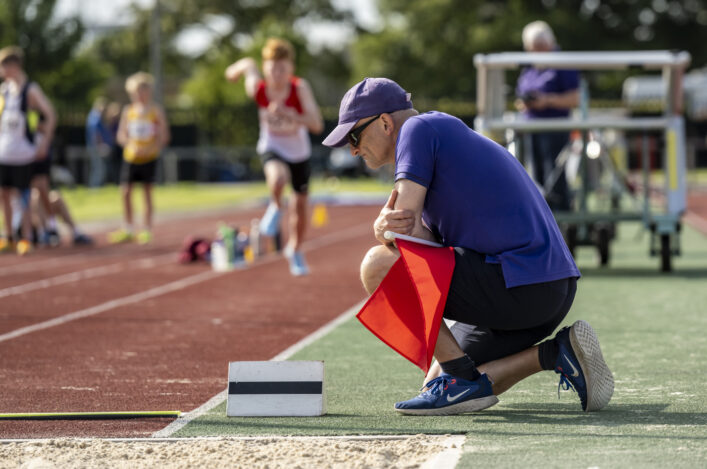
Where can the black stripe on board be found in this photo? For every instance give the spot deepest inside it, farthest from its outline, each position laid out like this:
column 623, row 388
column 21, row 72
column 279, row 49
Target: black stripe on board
column 275, row 387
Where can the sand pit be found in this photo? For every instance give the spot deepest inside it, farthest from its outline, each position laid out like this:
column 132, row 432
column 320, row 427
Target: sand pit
column 253, row 453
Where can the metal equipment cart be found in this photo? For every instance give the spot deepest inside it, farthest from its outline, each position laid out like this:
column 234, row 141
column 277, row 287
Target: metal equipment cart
column 592, row 226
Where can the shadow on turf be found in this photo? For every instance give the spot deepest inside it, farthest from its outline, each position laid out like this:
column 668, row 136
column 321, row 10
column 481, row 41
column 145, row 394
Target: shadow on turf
column 643, row 272
column 613, row 415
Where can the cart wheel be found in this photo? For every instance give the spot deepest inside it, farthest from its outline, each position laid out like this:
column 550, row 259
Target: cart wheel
column 604, row 236
column 665, row 259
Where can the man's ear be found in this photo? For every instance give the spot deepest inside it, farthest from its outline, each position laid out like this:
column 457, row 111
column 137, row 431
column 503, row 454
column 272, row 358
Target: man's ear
column 388, row 123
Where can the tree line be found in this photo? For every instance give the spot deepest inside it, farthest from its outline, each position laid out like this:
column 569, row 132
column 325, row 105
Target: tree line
column 426, row 45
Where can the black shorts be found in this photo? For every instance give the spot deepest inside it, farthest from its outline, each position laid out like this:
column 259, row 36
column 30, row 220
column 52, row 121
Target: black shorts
column 299, row 172
column 144, row 173
column 42, row 167
column 494, row 321
column 18, row 176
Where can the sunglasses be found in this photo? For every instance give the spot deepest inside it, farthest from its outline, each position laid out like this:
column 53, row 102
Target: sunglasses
column 355, row 135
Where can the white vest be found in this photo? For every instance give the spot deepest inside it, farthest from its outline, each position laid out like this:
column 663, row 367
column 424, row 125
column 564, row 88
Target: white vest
column 15, row 148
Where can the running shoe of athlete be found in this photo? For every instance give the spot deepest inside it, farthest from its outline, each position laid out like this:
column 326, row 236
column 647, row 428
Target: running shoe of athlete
column 581, row 366
column 6, row 245
column 81, row 239
column 144, row 237
column 120, row 236
column 449, row 395
column 23, row 247
column 298, row 266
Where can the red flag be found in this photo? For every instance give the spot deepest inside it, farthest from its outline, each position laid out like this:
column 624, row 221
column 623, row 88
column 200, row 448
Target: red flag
column 406, row 309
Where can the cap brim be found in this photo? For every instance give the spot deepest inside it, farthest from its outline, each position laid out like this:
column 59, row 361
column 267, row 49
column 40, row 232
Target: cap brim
column 337, row 137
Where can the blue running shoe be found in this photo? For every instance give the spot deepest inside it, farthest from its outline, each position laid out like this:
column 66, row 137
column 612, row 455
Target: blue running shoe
column 270, row 223
column 298, row 266
column 448, row 395
column 81, row 239
column 582, row 368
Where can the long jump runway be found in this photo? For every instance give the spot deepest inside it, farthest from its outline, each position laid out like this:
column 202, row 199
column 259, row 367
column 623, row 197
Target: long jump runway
column 126, row 328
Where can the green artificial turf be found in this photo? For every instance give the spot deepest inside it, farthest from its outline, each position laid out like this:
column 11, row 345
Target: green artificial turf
column 651, row 327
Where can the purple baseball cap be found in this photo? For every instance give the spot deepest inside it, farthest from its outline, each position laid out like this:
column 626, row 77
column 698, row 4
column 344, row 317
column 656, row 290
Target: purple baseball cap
column 370, row 97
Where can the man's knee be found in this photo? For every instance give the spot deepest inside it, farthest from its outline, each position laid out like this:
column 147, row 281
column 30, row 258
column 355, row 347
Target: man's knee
column 375, row 266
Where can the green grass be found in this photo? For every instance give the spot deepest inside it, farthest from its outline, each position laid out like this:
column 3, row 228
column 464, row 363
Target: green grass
column 651, row 327
column 104, row 203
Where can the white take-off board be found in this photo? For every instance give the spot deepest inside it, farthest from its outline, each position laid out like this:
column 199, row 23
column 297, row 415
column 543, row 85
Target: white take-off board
column 276, row 389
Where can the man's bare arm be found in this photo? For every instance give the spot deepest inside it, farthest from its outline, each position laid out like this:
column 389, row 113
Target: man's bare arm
column 402, row 213
column 38, row 101
column 411, row 197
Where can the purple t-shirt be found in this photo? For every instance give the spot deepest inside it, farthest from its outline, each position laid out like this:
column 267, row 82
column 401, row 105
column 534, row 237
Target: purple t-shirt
column 546, row 80
column 480, row 197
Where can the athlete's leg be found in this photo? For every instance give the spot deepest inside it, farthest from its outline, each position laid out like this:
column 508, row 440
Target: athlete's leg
column 26, row 201
column 126, row 191
column 7, row 210
column 298, row 221
column 60, row 209
column 40, row 182
column 299, row 176
column 147, row 189
column 276, row 176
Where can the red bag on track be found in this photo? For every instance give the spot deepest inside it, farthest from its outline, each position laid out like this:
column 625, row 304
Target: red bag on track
column 194, row 249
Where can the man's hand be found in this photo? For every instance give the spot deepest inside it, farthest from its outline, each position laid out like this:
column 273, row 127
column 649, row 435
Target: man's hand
column 390, row 219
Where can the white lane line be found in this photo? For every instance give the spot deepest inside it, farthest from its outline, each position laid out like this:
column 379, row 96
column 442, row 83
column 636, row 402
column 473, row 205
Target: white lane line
column 325, row 240
column 41, row 264
column 108, row 305
column 187, row 417
column 86, row 274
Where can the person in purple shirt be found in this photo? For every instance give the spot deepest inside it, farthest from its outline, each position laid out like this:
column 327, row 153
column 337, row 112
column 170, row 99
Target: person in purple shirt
column 514, row 279
column 547, row 93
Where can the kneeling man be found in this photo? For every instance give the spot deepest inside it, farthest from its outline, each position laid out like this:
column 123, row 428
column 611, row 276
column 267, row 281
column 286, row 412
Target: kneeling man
column 514, row 279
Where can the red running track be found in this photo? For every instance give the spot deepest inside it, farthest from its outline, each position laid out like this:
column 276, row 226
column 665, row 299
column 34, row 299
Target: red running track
column 165, row 350
column 137, row 345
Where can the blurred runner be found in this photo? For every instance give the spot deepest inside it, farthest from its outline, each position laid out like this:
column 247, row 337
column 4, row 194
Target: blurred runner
column 20, row 146
column 143, row 132
column 287, row 110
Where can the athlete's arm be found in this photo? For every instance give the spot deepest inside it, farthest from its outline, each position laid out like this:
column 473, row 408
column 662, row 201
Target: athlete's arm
column 312, row 116
column 38, row 101
column 122, row 135
column 163, row 128
column 248, row 68
column 402, row 212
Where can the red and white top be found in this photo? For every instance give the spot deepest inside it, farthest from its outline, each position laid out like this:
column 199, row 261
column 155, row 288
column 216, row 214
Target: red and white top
column 281, row 135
